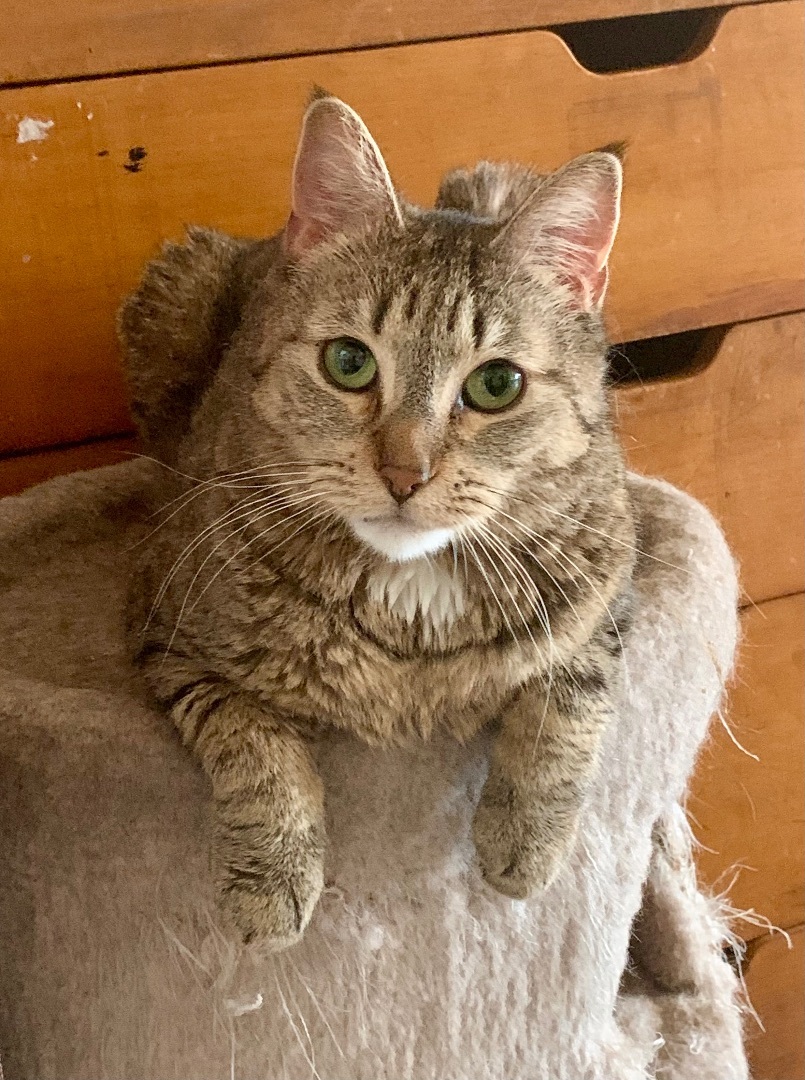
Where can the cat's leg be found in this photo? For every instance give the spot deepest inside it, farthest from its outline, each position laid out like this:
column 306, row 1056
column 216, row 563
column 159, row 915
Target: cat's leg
column 269, row 808
column 543, row 759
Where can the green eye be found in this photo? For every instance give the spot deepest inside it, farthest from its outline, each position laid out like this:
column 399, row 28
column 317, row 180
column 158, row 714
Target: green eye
column 349, row 364
column 493, row 386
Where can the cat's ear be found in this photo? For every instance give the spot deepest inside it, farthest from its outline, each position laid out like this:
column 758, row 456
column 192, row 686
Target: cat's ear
column 569, row 224
column 340, row 180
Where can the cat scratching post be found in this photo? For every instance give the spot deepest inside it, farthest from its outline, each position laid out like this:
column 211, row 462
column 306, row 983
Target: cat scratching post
column 111, row 966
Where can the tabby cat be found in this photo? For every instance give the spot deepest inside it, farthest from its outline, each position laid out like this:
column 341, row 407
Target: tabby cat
column 394, row 502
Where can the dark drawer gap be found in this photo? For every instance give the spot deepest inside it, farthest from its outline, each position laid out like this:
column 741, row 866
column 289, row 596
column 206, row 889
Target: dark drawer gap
column 666, row 357
column 604, row 46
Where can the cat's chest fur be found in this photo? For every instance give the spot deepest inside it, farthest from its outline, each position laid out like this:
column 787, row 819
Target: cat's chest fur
column 398, row 661
column 419, row 591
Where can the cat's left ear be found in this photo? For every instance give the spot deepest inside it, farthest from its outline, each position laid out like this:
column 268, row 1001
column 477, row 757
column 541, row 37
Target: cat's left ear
column 340, row 180
column 569, row 224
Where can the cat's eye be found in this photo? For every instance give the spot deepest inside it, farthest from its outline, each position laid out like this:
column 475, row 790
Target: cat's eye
column 349, row 363
column 493, row 386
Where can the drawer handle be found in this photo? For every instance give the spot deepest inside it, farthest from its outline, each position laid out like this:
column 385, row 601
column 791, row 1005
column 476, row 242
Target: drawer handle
column 671, row 356
column 633, row 42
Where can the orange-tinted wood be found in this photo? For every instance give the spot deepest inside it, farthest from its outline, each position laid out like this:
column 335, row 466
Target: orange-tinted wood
column 749, row 812
column 711, row 230
column 55, row 40
column 18, row 473
column 733, row 435
column 776, row 984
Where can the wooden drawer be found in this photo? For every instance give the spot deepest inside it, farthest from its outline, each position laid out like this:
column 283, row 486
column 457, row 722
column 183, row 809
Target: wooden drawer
column 746, row 805
column 55, row 40
column 711, row 229
column 732, row 435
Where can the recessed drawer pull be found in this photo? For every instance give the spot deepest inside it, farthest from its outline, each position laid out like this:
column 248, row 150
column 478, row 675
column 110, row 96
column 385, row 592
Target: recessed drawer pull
column 669, row 356
column 603, row 46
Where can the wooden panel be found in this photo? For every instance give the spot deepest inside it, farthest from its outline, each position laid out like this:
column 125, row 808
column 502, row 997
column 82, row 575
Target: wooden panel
column 750, row 812
column 54, row 40
column 776, row 984
column 18, row 473
column 712, row 141
column 733, row 436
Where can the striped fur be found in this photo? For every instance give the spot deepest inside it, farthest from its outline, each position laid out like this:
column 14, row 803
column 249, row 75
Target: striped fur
column 263, row 608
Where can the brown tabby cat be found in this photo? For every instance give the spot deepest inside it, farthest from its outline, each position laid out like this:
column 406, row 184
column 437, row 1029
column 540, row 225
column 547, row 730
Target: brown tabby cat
column 413, row 514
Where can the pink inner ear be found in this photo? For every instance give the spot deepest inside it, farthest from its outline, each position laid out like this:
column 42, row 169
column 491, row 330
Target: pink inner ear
column 340, row 181
column 574, row 221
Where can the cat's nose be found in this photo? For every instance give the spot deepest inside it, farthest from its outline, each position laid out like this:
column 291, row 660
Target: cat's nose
column 403, row 482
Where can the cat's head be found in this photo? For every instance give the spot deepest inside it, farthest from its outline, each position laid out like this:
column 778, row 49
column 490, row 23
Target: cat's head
column 407, row 371
column 431, row 360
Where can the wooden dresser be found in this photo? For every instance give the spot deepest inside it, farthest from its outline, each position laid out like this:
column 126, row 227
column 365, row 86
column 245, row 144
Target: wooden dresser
column 121, row 120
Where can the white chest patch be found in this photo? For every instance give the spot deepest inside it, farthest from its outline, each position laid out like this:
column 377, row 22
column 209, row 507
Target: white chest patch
column 419, row 588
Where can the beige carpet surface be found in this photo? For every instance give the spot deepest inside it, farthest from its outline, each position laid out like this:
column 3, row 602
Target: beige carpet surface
column 112, row 968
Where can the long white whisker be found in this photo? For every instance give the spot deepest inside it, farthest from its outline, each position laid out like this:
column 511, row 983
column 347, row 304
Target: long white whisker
column 550, row 547
column 302, row 499
column 539, row 563
column 590, row 528
column 477, row 561
column 499, row 549
column 551, row 652
column 323, row 516
column 265, row 532
column 236, row 513
column 190, row 497
column 234, row 479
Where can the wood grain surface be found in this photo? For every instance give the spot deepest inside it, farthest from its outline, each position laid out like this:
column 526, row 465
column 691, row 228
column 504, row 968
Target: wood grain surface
column 128, row 160
column 57, row 40
column 775, row 979
column 733, row 435
column 746, row 805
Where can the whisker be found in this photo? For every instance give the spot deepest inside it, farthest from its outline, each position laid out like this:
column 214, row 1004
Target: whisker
column 252, row 520
column 201, row 490
column 550, row 547
column 477, row 561
column 589, row 528
column 551, row 656
column 224, row 479
column 235, row 513
column 542, row 567
column 325, row 515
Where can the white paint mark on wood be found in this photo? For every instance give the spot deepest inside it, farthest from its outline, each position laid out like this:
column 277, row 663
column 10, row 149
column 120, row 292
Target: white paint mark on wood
column 30, row 130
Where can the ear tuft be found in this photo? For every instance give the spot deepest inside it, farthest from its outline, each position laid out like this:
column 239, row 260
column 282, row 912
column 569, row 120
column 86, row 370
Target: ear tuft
column 340, row 180
column 569, row 224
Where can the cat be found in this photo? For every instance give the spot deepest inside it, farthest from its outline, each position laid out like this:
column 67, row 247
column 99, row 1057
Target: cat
column 395, row 502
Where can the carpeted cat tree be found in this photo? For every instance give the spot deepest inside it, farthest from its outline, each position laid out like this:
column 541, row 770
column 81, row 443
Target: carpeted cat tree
column 111, row 965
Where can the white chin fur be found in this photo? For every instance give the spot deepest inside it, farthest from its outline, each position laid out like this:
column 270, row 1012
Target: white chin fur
column 398, row 543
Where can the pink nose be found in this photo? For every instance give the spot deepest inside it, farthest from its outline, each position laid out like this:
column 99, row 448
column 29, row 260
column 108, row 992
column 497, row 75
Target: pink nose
column 401, row 482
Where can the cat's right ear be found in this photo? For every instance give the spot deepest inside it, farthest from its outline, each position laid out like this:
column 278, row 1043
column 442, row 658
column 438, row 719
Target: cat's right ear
column 340, row 180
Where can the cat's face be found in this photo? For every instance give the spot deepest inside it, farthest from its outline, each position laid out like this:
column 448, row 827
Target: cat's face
column 429, row 364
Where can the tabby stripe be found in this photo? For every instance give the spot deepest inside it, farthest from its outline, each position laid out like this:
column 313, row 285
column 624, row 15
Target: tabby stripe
column 379, row 316
column 410, row 307
column 478, row 327
column 452, row 315
column 192, row 704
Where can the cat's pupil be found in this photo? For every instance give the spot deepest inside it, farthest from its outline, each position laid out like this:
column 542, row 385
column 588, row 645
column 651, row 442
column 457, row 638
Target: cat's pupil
column 497, row 379
column 351, row 358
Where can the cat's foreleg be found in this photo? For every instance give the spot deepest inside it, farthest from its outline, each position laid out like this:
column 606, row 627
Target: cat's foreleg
column 543, row 759
column 268, row 810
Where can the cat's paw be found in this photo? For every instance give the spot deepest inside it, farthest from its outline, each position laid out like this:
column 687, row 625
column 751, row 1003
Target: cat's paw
column 520, row 851
column 268, row 892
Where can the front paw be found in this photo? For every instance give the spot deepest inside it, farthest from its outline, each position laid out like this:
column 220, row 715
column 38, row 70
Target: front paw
column 269, row 882
column 522, row 844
